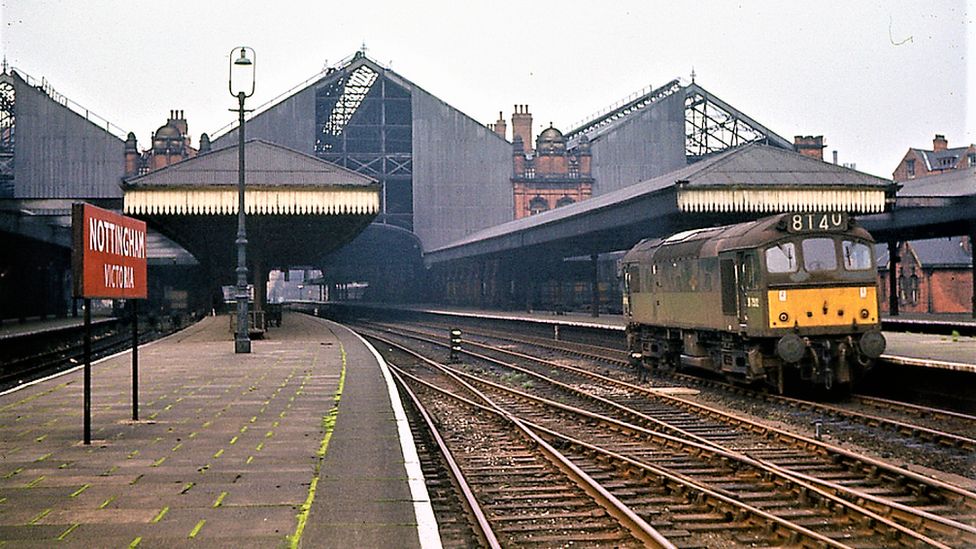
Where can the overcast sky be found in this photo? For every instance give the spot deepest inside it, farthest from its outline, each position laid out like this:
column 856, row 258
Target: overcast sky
column 874, row 78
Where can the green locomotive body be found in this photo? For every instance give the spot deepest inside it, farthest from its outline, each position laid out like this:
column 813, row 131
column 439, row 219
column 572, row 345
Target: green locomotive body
column 787, row 297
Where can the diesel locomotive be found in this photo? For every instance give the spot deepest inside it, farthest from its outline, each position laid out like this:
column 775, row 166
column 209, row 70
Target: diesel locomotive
column 788, row 300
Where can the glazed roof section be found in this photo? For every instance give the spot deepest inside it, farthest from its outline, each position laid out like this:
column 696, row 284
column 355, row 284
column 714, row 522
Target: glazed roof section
column 606, row 122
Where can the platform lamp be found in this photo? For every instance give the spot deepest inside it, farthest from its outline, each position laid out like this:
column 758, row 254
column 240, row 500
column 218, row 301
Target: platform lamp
column 241, row 86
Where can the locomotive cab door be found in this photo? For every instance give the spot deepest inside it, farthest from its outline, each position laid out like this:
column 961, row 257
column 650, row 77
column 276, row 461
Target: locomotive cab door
column 728, row 273
column 739, row 273
column 750, row 296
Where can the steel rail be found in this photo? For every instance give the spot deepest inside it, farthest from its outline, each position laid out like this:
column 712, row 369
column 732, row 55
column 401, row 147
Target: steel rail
column 695, row 447
column 470, row 502
column 910, row 408
column 968, row 498
column 639, row 528
column 918, row 431
column 786, row 474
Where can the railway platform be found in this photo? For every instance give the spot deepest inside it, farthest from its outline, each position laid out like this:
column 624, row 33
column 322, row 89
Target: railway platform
column 299, row 443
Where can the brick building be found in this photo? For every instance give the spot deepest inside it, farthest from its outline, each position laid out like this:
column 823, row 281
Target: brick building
column 548, row 176
column 170, row 144
column 941, row 159
column 934, row 275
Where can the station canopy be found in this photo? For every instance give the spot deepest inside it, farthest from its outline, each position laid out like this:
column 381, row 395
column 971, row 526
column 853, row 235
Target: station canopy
column 298, row 207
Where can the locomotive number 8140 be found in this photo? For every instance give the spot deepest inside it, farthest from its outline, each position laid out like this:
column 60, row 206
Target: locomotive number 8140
column 786, row 299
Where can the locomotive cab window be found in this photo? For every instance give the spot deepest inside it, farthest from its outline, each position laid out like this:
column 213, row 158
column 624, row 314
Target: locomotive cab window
column 857, row 256
column 819, row 254
column 632, row 278
column 749, row 276
column 781, row 258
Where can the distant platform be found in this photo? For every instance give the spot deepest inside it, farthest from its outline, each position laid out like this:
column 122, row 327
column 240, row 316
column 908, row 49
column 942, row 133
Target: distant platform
column 945, row 352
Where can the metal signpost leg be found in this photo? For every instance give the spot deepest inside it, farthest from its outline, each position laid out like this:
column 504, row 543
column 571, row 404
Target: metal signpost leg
column 135, row 360
column 87, row 388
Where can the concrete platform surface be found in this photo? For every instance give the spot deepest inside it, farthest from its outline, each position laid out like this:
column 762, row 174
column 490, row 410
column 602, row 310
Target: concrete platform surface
column 295, row 444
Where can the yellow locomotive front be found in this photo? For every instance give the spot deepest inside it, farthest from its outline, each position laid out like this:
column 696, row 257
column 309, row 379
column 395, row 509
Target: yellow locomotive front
column 821, row 297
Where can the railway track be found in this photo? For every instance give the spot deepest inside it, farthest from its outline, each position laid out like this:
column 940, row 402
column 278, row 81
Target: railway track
column 944, row 438
column 31, row 356
column 27, row 357
column 916, row 503
column 530, row 494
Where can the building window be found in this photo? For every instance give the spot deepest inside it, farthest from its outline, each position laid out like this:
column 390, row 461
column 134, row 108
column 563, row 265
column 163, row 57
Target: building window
column 908, row 289
column 538, row 205
column 913, row 288
column 564, row 201
column 530, row 173
column 972, row 159
column 910, row 167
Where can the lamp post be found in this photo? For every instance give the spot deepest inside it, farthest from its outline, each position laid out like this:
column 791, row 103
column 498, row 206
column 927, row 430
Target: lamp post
column 241, row 85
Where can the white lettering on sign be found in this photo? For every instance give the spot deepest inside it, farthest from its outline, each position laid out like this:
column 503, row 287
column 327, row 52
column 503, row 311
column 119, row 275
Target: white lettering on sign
column 119, row 276
column 107, row 237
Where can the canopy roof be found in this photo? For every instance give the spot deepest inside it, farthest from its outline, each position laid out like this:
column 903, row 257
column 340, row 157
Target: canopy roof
column 299, row 208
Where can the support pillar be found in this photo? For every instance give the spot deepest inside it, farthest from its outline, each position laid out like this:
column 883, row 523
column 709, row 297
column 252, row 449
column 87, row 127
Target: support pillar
column 893, row 278
column 595, row 288
column 482, row 271
column 972, row 252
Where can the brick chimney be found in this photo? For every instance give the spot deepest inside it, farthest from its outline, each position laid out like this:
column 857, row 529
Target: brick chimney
column 178, row 121
column 522, row 126
column 131, row 155
column 939, row 143
column 518, row 156
column 500, row 127
column 809, row 145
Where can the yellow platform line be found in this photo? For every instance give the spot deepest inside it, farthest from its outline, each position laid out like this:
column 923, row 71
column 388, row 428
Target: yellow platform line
column 328, row 422
column 40, row 516
column 67, row 532
column 159, row 516
column 197, row 528
column 220, row 499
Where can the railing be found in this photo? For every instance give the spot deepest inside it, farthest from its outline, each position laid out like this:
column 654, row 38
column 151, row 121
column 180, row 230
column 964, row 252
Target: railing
column 45, row 86
column 256, row 323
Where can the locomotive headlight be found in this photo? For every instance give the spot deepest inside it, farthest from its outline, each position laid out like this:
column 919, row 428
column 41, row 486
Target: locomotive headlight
column 872, row 344
column 865, row 314
column 783, row 317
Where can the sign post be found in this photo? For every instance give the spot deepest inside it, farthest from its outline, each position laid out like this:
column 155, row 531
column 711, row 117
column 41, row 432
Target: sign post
column 108, row 262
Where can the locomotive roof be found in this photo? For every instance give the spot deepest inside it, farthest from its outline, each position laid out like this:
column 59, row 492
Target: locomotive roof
column 710, row 241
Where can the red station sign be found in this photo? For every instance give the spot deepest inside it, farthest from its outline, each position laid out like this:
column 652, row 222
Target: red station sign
column 108, row 255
